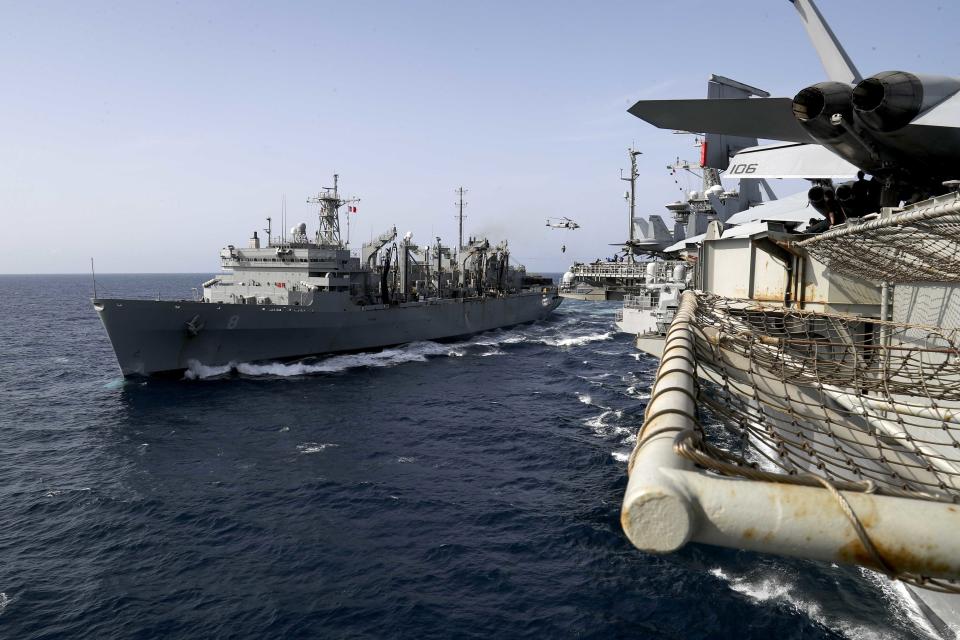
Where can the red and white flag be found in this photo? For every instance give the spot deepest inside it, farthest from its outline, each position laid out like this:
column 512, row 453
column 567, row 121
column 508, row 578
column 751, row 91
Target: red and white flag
column 352, row 209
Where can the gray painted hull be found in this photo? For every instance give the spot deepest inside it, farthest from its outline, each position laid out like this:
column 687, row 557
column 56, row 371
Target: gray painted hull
column 151, row 337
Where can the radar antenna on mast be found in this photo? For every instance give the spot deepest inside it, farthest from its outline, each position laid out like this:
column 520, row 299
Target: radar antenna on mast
column 330, row 203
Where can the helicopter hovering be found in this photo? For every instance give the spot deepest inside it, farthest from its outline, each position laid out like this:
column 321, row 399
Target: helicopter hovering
column 562, row 223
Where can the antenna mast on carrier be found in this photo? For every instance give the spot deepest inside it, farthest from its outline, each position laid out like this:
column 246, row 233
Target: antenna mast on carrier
column 460, row 204
column 631, row 195
column 330, row 203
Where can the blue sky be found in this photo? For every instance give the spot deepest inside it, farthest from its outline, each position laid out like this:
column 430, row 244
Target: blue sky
column 149, row 135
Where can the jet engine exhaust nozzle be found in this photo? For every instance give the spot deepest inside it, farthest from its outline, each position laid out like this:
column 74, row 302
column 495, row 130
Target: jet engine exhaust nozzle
column 888, row 101
column 815, row 105
column 821, row 199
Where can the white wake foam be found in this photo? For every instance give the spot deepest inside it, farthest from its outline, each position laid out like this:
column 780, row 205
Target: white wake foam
column 314, row 447
column 775, row 589
column 633, row 392
column 600, row 424
column 577, row 341
column 413, row 352
column 903, row 605
column 199, row 371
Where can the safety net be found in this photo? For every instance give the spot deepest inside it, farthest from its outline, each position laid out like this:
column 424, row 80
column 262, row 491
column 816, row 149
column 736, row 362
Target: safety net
column 820, row 399
column 918, row 244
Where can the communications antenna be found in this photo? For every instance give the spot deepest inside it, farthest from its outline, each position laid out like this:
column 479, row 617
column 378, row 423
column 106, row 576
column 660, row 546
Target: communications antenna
column 631, row 195
column 460, row 204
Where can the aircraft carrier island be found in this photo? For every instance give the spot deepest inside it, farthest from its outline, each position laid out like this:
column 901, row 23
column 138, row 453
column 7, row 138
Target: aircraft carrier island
column 301, row 296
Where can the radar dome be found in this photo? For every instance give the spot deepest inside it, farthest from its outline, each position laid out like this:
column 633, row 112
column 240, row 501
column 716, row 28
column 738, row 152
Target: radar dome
column 567, row 278
column 715, row 190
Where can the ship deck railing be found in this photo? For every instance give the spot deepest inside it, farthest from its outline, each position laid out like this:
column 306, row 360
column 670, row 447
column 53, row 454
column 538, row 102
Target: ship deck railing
column 642, row 302
column 610, row 270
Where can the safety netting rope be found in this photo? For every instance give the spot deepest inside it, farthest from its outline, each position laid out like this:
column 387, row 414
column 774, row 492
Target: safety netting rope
column 828, row 400
column 918, row 244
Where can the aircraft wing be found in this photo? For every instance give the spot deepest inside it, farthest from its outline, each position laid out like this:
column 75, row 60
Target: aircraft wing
column 792, row 208
column 768, row 118
column 791, row 160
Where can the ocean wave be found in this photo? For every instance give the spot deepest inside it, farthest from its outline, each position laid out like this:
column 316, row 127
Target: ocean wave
column 314, row 447
column 578, row 341
column 636, row 394
column 413, row 352
column 775, row 589
column 599, row 423
column 4, row 601
column 604, row 424
column 620, row 456
column 903, row 605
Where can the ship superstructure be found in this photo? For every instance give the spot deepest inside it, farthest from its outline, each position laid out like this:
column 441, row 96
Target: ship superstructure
column 306, row 294
column 650, row 310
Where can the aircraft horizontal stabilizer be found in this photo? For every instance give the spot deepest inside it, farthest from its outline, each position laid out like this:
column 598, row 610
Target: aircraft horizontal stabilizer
column 767, row 118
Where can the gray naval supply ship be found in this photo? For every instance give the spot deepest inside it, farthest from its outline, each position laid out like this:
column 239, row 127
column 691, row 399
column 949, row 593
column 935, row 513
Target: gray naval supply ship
column 304, row 296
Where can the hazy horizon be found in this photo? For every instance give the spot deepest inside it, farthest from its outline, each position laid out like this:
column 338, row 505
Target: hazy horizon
column 150, row 136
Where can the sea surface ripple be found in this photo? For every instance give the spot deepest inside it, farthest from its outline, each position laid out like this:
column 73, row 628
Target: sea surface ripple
column 468, row 489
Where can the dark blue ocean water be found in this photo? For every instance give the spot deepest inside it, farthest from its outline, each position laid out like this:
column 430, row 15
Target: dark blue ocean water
column 432, row 491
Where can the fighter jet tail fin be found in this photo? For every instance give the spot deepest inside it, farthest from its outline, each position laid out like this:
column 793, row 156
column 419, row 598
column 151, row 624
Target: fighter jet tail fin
column 836, row 62
column 660, row 231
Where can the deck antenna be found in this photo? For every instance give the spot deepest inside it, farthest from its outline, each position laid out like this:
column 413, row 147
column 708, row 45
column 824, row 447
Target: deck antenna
column 93, row 274
column 269, row 230
column 631, row 196
column 283, row 218
column 460, row 204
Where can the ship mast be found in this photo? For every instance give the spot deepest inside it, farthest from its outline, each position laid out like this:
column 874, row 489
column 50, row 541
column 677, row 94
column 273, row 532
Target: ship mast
column 632, row 153
column 330, row 202
column 460, row 204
